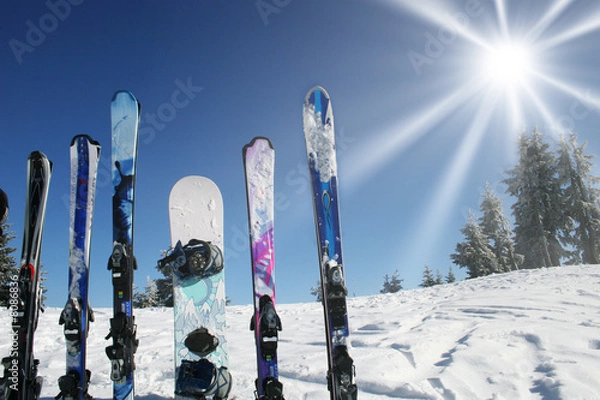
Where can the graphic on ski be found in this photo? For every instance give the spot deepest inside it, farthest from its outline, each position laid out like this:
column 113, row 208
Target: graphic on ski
column 259, row 165
column 125, row 115
column 20, row 380
column 77, row 314
column 320, row 147
column 196, row 259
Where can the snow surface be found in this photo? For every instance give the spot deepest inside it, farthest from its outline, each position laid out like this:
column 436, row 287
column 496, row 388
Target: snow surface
column 531, row 334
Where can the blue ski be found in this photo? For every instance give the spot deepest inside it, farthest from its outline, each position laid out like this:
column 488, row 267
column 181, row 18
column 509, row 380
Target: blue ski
column 320, row 147
column 77, row 314
column 125, row 116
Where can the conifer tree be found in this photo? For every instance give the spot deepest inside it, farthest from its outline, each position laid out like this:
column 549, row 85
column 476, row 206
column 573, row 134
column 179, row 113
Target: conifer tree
column 538, row 208
column 450, row 278
column 8, row 267
column 428, row 279
column 474, row 253
column 496, row 226
column 581, row 200
column 391, row 284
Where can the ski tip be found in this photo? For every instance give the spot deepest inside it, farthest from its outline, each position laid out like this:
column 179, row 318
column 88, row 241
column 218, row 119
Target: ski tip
column 310, row 96
column 124, row 93
column 83, row 136
column 257, row 139
column 37, row 155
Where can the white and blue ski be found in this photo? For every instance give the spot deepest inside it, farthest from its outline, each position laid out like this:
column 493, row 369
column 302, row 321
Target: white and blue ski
column 320, row 147
column 125, row 116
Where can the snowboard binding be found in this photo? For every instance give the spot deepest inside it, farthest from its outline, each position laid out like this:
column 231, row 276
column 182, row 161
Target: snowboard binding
column 201, row 342
column 197, row 259
column 198, row 379
column 124, row 346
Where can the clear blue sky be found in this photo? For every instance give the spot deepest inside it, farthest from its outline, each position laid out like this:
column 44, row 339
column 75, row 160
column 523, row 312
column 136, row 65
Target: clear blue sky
column 422, row 121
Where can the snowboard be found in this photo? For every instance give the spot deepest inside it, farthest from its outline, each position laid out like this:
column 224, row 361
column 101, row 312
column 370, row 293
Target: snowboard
column 259, row 166
column 77, row 314
column 125, row 116
column 320, row 148
column 20, row 380
column 196, row 222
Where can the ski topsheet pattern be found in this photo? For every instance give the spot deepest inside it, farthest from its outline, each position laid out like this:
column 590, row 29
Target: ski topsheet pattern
column 77, row 314
column 320, row 147
column 201, row 352
column 125, row 115
column 20, row 381
column 259, row 165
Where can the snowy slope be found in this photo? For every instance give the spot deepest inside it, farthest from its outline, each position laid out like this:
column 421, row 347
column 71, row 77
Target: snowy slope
column 522, row 335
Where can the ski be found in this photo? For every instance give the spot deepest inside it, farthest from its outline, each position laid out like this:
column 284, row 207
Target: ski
column 125, row 116
column 20, row 380
column 320, row 147
column 77, row 314
column 259, row 165
column 196, row 262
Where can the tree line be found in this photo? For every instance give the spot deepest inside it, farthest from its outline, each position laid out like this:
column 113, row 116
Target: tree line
column 556, row 214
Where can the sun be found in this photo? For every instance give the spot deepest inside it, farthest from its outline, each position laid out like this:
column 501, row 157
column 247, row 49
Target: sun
column 506, row 64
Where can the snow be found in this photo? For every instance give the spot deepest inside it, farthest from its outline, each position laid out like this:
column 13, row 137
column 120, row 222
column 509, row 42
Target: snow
column 531, row 334
column 320, row 140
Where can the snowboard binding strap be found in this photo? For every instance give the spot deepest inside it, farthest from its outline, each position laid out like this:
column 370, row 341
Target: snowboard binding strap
column 201, row 378
column 201, row 342
column 197, row 259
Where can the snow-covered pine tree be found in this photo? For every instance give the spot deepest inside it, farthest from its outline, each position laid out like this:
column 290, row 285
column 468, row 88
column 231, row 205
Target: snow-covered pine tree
column 428, row 279
column 439, row 279
column 8, row 265
column 450, row 278
column 581, row 201
column 537, row 212
column 496, row 226
column 317, row 291
column 392, row 284
column 474, row 253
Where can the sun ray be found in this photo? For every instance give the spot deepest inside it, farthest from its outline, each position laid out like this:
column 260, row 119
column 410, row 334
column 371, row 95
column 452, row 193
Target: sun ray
column 439, row 14
column 580, row 94
column 397, row 138
column 551, row 15
column 588, row 25
column 446, row 194
column 502, row 21
column 541, row 107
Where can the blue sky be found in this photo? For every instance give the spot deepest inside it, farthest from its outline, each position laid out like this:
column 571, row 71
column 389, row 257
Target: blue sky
column 422, row 119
